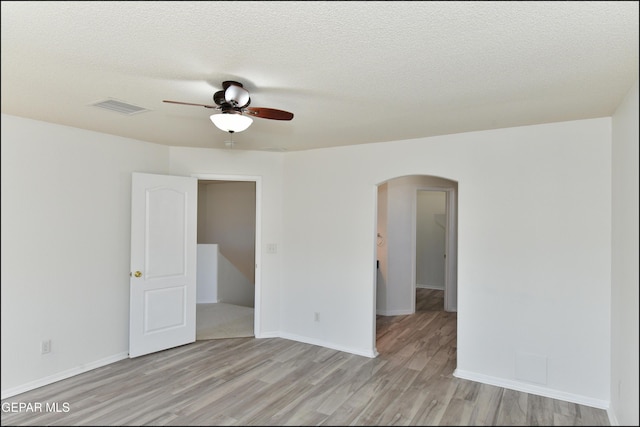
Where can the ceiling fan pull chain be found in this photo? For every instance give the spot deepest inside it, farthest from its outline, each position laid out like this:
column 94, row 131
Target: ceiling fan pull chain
column 230, row 143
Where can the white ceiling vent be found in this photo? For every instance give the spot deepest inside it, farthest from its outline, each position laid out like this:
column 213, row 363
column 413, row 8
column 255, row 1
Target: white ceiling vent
column 119, row 107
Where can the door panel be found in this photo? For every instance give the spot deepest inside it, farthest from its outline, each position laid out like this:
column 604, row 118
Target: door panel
column 163, row 262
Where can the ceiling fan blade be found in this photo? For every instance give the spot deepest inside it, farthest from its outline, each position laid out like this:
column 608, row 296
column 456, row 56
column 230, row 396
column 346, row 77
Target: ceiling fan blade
column 189, row 103
column 269, row 113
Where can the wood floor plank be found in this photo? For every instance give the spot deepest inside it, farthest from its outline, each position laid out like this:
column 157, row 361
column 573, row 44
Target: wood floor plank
column 274, row 381
column 486, row 405
column 512, row 410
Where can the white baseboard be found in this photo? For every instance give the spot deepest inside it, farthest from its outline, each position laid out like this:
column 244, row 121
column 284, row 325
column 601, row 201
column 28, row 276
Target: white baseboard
column 436, row 287
column 373, row 353
column 612, row 418
column 13, row 391
column 393, row 312
column 532, row 389
column 208, row 302
column 267, row 335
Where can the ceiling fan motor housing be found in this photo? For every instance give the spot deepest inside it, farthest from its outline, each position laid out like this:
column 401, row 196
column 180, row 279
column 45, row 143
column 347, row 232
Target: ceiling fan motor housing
column 228, row 109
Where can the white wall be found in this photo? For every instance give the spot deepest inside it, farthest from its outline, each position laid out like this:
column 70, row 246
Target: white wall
column 624, row 278
column 66, row 216
column 207, row 273
column 401, row 274
column 521, row 191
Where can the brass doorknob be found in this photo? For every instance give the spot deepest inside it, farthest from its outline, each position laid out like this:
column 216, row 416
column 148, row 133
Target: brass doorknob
column 137, row 273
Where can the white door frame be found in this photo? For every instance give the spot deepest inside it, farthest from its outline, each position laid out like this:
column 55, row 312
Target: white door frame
column 451, row 247
column 258, row 253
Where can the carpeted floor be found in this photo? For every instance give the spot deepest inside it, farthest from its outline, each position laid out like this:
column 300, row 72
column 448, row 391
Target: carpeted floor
column 219, row 320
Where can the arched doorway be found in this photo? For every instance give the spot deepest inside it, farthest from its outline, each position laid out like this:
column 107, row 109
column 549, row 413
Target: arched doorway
column 399, row 220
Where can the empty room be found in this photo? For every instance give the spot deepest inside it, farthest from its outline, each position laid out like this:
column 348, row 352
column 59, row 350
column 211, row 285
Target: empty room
column 319, row 213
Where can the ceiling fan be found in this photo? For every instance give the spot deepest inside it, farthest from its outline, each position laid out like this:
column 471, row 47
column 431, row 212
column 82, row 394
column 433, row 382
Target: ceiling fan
column 235, row 114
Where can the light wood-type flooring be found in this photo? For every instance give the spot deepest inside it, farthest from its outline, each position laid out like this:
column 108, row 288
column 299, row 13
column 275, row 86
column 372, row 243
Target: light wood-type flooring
column 274, row 381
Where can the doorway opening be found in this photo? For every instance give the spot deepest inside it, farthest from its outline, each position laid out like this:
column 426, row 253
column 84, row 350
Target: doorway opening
column 431, row 224
column 228, row 274
column 416, row 253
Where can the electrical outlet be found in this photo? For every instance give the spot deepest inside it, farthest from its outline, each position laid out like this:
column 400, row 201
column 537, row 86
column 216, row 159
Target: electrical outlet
column 316, row 316
column 272, row 248
column 45, row 347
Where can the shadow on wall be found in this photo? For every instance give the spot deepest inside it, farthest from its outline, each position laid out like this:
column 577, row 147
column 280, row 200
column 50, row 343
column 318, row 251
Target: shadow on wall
column 218, row 280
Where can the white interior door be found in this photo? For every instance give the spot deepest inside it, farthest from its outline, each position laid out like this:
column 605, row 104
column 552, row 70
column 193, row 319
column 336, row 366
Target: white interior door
column 163, row 262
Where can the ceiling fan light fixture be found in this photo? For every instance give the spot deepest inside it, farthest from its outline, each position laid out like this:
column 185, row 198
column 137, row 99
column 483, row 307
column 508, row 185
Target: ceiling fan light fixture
column 231, row 122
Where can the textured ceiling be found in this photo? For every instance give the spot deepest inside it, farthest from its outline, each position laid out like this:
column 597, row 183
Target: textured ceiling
column 351, row 72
